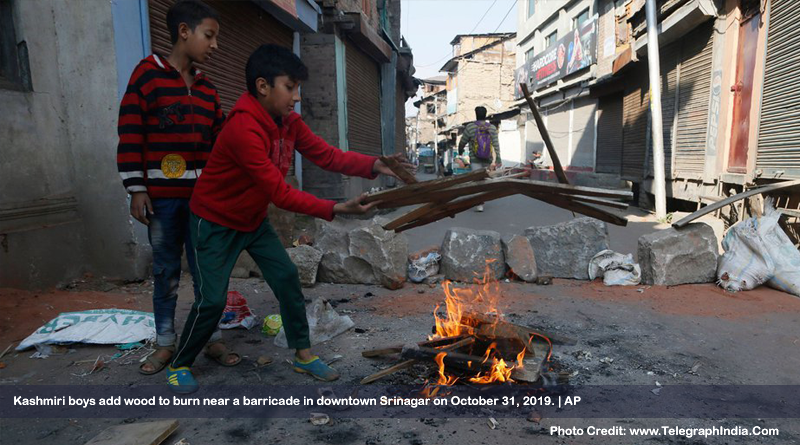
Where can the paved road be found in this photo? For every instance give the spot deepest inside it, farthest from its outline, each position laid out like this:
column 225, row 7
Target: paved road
column 512, row 215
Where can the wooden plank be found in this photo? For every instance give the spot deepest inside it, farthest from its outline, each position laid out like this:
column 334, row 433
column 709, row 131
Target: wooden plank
column 435, row 343
column 456, row 207
column 144, row 433
column 599, row 201
column 458, row 360
column 412, row 189
column 730, row 200
column 584, row 209
column 529, row 330
column 411, row 216
column 562, row 177
column 397, row 168
column 408, row 363
column 575, row 189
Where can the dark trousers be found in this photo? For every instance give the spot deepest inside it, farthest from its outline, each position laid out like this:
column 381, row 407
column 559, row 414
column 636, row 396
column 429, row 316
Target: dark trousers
column 216, row 250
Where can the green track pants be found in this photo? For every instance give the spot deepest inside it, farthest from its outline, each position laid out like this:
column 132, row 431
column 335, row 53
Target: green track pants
column 216, row 250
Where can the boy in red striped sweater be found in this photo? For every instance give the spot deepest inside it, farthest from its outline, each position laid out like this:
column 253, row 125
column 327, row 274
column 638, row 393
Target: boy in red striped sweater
column 245, row 173
column 169, row 117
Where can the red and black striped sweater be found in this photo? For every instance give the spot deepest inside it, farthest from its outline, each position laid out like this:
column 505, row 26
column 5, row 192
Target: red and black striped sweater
column 166, row 130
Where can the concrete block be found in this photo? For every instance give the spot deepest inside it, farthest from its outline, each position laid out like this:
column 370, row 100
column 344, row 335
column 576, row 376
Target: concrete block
column 467, row 253
column 671, row 257
column 520, row 258
column 564, row 250
column 307, row 260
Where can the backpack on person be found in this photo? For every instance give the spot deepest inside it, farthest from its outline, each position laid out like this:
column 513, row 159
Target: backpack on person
column 483, row 140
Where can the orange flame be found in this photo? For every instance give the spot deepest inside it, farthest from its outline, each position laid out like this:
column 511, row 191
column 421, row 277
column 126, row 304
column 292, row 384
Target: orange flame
column 443, row 379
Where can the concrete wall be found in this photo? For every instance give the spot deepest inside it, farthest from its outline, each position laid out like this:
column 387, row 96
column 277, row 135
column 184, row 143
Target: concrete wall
column 60, row 141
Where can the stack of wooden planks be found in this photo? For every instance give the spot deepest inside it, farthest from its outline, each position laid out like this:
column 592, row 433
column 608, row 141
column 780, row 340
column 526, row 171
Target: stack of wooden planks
column 440, row 198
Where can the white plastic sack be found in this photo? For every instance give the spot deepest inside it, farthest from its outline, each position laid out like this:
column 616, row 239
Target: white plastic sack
column 424, row 267
column 615, row 268
column 323, row 324
column 757, row 251
column 99, row 326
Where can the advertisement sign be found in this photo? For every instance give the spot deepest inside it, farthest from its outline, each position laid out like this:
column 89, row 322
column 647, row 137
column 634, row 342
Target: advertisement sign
column 570, row 54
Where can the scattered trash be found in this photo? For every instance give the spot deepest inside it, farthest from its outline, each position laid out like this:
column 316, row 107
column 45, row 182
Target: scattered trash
column 319, row 419
column 534, row 417
column 582, row 355
column 433, row 280
column 757, row 251
column 615, row 268
column 335, row 358
column 323, row 324
column 492, row 423
column 607, row 360
column 182, row 442
column 423, row 265
column 129, row 346
column 544, row 280
column 237, row 313
column 100, row 326
column 264, row 360
column 272, row 325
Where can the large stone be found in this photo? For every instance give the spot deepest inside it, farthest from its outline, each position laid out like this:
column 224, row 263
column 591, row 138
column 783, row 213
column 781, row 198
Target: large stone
column 671, row 257
column 467, row 253
column 520, row 259
column 564, row 250
column 307, row 259
column 333, row 240
column 245, row 267
column 386, row 251
column 361, row 252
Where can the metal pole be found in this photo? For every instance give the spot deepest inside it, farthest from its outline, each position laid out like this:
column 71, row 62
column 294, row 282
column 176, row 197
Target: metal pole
column 435, row 134
column 659, row 185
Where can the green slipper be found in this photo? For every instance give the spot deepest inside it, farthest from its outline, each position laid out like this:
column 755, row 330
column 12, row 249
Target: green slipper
column 181, row 381
column 316, row 368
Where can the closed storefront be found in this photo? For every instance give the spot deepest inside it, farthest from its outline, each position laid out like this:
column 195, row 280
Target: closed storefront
column 363, row 101
column 400, row 119
column 669, row 83
column 244, row 26
column 694, row 89
column 779, row 132
column 634, row 124
column 609, row 135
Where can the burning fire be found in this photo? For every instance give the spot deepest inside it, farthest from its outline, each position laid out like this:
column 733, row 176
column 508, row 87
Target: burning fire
column 459, row 303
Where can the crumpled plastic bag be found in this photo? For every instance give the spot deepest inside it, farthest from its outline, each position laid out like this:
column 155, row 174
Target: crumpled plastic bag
column 324, row 323
column 99, row 326
column 615, row 268
column 757, row 251
column 424, row 266
column 237, row 313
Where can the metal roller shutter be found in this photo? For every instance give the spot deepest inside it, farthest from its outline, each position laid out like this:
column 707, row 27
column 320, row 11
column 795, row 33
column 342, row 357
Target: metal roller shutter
column 694, row 89
column 363, row 102
column 609, row 135
column 779, row 133
column 634, row 124
column 244, row 26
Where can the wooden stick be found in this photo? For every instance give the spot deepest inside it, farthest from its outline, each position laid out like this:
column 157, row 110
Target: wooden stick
column 396, row 349
column 408, row 363
column 529, row 330
column 584, row 209
column 6, row 350
column 454, row 359
column 456, row 207
column 411, row 216
column 562, row 177
column 436, row 184
column 398, row 169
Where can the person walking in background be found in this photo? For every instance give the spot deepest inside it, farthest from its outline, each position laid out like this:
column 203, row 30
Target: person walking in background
column 484, row 144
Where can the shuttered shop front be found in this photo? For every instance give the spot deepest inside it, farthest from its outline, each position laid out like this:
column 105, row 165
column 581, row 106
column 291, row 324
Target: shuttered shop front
column 363, row 102
column 400, row 119
column 694, row 91
column 779, row 132
column 244, row 26
column 634, row 124
column 609, row 135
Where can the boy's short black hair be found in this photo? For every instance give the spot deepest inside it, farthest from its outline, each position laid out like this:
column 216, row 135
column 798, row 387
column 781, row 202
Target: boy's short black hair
column 191, row 12
column 480, row 113
column 270, row 61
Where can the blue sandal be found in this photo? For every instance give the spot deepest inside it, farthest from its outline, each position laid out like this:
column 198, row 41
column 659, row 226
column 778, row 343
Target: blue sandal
column 316, row 368
column 181, row 381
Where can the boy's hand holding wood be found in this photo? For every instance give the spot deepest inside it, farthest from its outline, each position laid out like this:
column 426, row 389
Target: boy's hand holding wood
column 401, row 161
column 354, row 206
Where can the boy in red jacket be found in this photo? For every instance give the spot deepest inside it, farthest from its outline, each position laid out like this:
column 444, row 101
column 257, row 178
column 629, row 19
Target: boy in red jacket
column 168, row 118
column 244, row 174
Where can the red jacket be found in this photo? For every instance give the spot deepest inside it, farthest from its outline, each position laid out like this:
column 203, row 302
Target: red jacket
column 250, row 159
column 166, row 130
